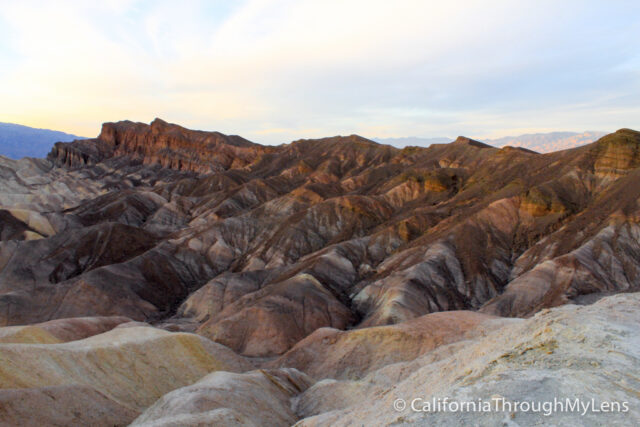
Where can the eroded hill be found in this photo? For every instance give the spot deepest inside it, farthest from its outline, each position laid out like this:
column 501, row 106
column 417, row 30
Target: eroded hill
column 164, row 277
column 256, row 247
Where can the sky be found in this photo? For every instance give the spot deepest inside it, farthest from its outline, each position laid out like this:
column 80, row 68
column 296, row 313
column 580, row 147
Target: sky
column 277, row 70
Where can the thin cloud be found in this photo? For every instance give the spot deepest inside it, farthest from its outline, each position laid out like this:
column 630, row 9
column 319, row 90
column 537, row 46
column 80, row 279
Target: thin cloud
column 335, row 67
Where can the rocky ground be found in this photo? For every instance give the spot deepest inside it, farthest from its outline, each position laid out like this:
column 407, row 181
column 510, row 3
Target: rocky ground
column 164, row 276
column 135, row 373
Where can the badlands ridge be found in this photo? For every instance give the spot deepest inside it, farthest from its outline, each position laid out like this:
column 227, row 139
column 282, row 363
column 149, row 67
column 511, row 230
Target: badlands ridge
column 162, row 276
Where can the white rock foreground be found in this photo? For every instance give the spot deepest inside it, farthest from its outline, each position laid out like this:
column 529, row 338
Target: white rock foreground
column 114, row 378
column 571, row 352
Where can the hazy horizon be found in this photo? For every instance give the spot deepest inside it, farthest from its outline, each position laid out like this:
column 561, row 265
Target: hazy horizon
column 400, row 141
column 276, row 71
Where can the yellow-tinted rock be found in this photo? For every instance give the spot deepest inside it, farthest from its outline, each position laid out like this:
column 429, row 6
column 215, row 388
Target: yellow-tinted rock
column 131, row 366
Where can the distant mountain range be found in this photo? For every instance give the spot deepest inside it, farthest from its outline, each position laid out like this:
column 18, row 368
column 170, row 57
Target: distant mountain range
column 540, row 142
column 413, row 141
column 17, row 141
column 548, row 142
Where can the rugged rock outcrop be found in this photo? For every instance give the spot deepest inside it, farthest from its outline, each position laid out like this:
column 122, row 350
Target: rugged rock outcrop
column 570, row 352
column 117, row 373
column 270, row 321
column 562, row 353
column 161, row 143
column 358, row 263
column 227, row 399
column 353, row 354
column 202, row 231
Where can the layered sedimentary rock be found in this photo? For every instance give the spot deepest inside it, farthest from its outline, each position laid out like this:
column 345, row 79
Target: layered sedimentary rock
column 160, row 143
column 106, row 379
column 256, row 398
column 60, row 330
column 270, row 321
column 202, row 231
column 570, row 352
column 67, row 405
column 353, row 354
column 566, row 353
column 359, row 264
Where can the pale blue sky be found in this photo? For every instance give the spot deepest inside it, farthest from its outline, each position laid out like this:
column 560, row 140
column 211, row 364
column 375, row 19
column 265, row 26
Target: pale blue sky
column 274, row 71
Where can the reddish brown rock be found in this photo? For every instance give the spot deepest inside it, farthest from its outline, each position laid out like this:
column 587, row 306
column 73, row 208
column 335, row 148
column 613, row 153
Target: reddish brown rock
column 161, row 143
column 270, row 321
column 201, row 230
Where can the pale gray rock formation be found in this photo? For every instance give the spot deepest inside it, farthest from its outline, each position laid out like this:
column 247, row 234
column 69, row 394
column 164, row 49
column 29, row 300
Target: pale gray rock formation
column 256, row 398
column 583, row 352
column 124, row 370
column 355, row 353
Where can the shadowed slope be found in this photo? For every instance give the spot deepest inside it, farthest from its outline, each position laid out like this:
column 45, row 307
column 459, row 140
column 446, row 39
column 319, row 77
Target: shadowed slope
column 216, row 230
